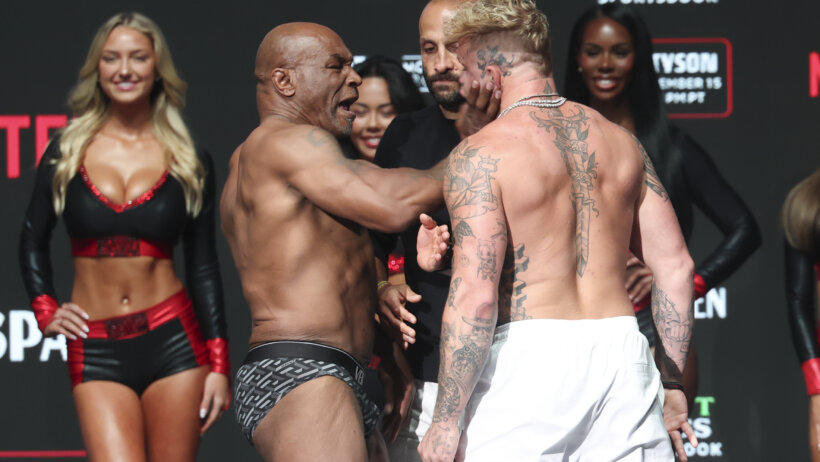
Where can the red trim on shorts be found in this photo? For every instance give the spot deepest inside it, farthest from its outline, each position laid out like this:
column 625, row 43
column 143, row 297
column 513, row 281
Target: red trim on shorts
column 177, row 306
column 76, row 361
column 811, row 374
column 120, row 246
column 44, row 307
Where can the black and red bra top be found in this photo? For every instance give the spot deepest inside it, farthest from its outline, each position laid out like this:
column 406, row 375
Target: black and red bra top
column 98, row 227
column 149, row 225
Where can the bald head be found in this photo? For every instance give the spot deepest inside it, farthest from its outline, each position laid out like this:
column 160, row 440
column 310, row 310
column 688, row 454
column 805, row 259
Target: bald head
column 304, row 74
column 288, row 44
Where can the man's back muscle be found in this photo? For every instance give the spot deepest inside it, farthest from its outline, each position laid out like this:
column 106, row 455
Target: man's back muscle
column 569, row 182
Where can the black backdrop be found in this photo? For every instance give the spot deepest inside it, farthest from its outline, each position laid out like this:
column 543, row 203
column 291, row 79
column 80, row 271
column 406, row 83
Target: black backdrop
column 752, row 403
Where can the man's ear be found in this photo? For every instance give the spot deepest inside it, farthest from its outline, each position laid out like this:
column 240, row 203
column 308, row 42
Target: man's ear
column 282, row 80
column 495, row 75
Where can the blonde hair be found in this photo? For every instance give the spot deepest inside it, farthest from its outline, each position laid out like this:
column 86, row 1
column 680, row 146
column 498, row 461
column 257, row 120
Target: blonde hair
column 90, row 108
column 518, row 20
column 801, row 215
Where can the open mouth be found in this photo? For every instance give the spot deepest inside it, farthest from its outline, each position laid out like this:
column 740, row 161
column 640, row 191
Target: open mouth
column 344, row 106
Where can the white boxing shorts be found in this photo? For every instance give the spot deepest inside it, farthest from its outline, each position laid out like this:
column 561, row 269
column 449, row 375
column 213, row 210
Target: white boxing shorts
column 567, row 390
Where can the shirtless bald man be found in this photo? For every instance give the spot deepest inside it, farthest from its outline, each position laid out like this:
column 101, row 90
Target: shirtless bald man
column 295, row 214
column 540, row 350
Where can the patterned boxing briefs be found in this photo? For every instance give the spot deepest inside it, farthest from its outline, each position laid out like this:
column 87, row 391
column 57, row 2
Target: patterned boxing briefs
column 272, row 369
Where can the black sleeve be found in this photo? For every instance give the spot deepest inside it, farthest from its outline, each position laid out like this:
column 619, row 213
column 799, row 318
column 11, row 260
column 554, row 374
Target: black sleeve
column 721, row 204
column 800, row 284
column 201, row 263
column 35, row 237
column 388, row 156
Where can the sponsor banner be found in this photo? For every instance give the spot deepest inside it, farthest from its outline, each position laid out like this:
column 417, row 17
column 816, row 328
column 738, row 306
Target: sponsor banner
column 709, row 445
column 22, row 341
column 695, row 76
column 16, row 126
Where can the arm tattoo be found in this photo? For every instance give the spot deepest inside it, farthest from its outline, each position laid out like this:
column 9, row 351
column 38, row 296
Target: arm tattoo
column 490, row 55
column 653, row 182
column 460, row 231
column 571, row 132
column 318, row 137
column 468, row 189
column 674, row 332
column 459, row 372
column 511, row 296
column 447, row 400
column 452, row 296
column 486, row 259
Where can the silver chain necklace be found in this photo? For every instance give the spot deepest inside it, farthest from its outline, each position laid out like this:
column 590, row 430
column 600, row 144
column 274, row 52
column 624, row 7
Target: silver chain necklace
column 541, row 102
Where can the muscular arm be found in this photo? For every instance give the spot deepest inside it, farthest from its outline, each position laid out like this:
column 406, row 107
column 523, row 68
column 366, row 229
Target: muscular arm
column 657, row 237
column 473, row 200
column 381, row 199
column 800, row 283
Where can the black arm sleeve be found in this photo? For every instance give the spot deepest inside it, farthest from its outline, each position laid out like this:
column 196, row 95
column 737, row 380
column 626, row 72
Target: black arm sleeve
column 388, row 156
column 35, row 238
column 201, row 263
column 721, row 204
column 800, row 284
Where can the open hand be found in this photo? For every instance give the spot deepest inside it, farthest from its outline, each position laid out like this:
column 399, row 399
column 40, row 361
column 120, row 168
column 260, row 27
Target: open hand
column 431, row 244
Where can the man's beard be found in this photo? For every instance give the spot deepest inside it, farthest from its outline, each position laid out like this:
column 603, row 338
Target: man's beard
column 450, row 100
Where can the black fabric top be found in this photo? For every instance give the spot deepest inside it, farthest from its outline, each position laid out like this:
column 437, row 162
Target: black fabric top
column 161, row 218
column 801, row 284
column 420, row 140
column 709, row 191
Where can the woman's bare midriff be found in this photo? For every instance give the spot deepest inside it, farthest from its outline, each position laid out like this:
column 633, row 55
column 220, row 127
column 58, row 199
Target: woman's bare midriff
column 107, row 287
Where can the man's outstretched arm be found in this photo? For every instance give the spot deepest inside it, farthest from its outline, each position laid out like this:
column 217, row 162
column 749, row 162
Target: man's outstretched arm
column 471, row 310
column 380, row 199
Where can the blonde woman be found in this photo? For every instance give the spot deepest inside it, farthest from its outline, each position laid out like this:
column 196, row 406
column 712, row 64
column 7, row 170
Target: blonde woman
column 801, row 223
column 148, row 365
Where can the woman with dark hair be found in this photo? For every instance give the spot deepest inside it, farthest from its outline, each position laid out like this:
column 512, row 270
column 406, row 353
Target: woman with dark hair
column 386, row 91
column 610, row 69
column 801, row 225
column 148, row 365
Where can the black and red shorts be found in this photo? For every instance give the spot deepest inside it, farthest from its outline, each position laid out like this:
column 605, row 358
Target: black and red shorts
column 139, row 348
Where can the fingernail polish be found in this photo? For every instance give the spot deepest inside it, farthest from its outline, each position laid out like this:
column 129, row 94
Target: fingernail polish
column 203, row 413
